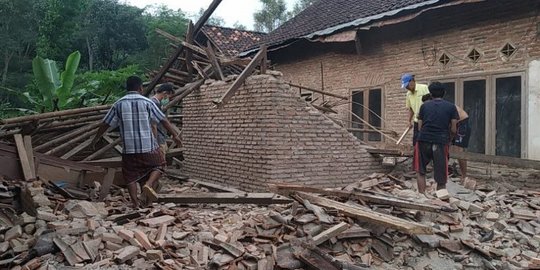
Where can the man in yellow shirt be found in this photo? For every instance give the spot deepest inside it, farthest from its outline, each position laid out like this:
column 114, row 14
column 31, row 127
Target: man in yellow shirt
column 415, row 92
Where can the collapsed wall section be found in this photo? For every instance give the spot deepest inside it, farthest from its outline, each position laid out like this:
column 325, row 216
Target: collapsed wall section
column 267, row 134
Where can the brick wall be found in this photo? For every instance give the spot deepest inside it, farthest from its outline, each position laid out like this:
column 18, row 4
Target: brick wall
column 415, row 46
column 265, row 134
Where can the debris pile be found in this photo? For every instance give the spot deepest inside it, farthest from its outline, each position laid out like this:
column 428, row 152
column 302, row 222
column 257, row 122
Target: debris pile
column 382, row 224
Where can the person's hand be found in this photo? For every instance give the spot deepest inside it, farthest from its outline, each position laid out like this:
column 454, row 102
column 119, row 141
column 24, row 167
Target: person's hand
column 411, row 124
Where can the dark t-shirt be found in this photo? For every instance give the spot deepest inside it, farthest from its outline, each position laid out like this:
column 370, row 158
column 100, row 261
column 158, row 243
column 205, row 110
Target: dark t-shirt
column 162, row 132
column 436, row 116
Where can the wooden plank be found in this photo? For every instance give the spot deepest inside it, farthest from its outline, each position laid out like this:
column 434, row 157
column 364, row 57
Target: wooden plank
column 103, row 150
column 202, row 20
column 242, row 198
column 319, row 91
column 116, row 162
column 189, row 54
column 367, row 215
column 68, row 136
column 117, row 147
column 285, row 189
column 331, row 232
column 23, row 157
column 200, row 71
column 242, row 78
column 71, row 142
column 107, row 183
column 53, row 115
column 77, row 149
column 158, row 221
column 214, row 61
column 177, row 175
column 30, row 154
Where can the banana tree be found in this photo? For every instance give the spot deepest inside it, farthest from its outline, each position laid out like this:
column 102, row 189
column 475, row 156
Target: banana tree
column 54, row 87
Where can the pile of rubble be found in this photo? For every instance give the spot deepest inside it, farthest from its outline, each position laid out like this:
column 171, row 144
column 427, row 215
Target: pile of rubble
column 491, row 228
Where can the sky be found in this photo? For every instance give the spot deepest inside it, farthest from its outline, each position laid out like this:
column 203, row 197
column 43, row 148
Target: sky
column 231, row 11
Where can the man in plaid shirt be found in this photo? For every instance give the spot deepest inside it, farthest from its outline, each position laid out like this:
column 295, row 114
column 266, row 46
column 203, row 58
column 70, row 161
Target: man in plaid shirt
column 142, row 160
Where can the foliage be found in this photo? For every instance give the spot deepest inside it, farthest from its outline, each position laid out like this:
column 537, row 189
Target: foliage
column 300, row 5
column 102, row 87
column 272, row 15
column 54, row 88
column 213, row 20
column 239, row 26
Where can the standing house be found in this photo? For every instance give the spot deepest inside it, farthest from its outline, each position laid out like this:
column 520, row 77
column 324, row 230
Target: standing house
column 486, row 52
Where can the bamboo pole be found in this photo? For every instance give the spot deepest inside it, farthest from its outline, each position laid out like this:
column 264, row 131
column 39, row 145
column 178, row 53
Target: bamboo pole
column 103, row 150
column 53, row 114
column 71, row 142
column 68, row 136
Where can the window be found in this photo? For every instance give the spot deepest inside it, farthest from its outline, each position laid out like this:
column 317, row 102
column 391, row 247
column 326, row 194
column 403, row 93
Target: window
column 367, row 105
column 508, row 50
column 444, row 59
column 474, row 55
column 495, row 106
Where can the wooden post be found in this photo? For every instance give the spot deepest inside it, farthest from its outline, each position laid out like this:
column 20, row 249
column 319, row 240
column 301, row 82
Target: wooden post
column 30, row 154
column 107, row 183
column 202, row 20
column 214, row 61
column 23, row 157
column 242, row 78
column 189, row 54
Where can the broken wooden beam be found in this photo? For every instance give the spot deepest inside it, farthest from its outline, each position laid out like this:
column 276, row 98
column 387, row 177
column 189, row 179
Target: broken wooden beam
column 234, row 198
column 23, row 157
column 367, row 215
column 52, row 115
column 103, row 150
column 214, row 61
column 202, row 20
column 68, row 136
column 242, row 78
column 330, row 233
column 285, row 189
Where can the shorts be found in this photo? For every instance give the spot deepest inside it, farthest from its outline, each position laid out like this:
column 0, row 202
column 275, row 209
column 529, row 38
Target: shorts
column 425, row 152
column 463, row 134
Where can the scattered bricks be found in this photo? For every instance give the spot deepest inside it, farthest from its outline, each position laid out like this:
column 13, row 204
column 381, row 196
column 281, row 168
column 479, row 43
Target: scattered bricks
column 470, row 184
column 160, row 235
column 47, row 216
column 143, row 239
column 4, row 246
column 500, row 225
column 91, row 224
column 442, row 194
column 154, row 255
column 111, row 237
column 14, row 232
column 30, row 229
column 496, row 252
column 492, row 216
column 451, row 245
column 26, row 218
column 529, row 255
column 475, row 208
column 18, row 246
column 112, row 246
column 127, row 253
column 126, row 234
column 181, row 235
column 464, row 205
column 456, row 228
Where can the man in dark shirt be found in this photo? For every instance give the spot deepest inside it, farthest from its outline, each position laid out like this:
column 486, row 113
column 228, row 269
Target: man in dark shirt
column 436, row 120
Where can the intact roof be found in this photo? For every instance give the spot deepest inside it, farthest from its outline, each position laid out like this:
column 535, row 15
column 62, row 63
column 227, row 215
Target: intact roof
column 231, row 41
column 328, row 16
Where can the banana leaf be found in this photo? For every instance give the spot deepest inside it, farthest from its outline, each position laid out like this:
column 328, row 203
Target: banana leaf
column 67, row 78
column 47, row 79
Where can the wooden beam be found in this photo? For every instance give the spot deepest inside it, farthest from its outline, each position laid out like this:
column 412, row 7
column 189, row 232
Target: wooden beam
column 372, row 127
column 330, row 233
column 77, row 149
column 116, row 162
column 371, row 130
column 30, row 154
column 52, row 115
column 117, row 147
column 23, row 157
column 202, row 20
column 214, row 61
column 189, row 55
column 103, row 150
column 188, row 89
column 286, row 189
column 200, row 71
column 71, row 142
column 225, row 198
column 107, row 183
column 68, row 136
column 319, row 91
column 242, row 78
column 367, row 215
column 178, row 176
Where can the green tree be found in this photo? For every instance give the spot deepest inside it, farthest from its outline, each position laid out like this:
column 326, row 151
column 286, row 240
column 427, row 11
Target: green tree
column 171, row 21
column 213, row 20
column 18, row 33
column 271, row 16
column 300, row 5
column 239, row 26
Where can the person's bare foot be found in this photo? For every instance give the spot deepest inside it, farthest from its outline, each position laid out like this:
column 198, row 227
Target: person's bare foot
column 151, row 195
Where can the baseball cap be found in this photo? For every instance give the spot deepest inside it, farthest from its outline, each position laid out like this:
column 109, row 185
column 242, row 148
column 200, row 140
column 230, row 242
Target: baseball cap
column 406, row 79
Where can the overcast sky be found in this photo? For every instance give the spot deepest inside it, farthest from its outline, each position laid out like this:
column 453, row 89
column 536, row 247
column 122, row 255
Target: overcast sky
column 230, row 10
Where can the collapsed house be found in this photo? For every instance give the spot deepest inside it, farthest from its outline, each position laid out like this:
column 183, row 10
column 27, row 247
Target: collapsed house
column 283, row 170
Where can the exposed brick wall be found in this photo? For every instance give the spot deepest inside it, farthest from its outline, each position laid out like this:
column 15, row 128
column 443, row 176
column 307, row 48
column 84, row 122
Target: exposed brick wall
column 415, row 47
column 265, row 134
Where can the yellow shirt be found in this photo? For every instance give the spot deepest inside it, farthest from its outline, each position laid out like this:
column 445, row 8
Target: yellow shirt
column 414, row 100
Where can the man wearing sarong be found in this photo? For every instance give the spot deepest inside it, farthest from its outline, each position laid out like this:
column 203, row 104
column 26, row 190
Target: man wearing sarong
column 142, row 160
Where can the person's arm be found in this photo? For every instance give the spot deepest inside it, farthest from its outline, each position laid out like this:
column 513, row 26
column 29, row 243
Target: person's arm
column 411, row 117
column 419, row 124
column 453, row 127
column 168, row 126
column 101, row 130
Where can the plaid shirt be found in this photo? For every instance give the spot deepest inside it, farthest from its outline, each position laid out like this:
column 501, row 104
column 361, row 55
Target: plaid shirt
column 134, row 114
